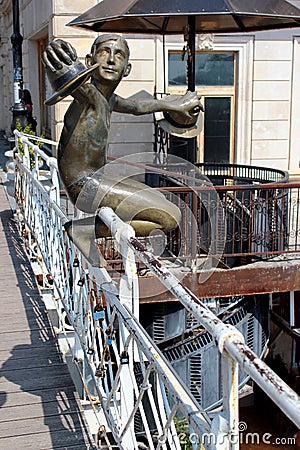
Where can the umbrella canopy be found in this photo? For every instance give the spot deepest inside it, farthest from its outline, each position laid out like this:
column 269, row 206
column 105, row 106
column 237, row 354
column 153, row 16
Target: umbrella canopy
column 170, row 16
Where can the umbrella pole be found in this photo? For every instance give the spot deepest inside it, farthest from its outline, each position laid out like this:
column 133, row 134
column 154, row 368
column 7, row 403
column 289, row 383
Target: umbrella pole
column 191, row 44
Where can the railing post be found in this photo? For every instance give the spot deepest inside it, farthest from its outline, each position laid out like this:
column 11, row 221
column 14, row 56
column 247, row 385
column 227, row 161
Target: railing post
column 54, row 192
column 230, row 381
column 224, row 427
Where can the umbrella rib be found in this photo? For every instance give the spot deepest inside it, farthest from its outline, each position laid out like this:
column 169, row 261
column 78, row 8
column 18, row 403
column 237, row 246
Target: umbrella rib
column 238, row 22
column 165, row 25
column 152, row 23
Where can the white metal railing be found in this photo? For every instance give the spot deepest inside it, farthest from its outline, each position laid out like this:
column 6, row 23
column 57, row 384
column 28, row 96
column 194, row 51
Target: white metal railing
column 135, row 394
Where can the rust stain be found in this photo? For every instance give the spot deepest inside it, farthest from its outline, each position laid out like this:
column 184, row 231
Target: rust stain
column 264, row 371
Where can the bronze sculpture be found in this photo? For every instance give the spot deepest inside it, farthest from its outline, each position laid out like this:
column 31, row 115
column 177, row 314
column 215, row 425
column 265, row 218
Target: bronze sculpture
column 83, row 141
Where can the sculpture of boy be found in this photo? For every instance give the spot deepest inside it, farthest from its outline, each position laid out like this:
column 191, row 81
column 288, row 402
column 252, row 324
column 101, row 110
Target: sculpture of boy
column 83, row 142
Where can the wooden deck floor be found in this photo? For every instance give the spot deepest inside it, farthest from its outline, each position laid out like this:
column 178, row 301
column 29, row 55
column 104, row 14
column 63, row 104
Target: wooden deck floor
column 39, row 407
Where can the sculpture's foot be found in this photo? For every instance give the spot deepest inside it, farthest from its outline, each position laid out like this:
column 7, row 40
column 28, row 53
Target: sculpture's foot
column 83, row 233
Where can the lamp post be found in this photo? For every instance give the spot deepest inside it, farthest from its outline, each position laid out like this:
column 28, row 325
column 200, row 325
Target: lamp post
column 192, row 143
column 19, row 110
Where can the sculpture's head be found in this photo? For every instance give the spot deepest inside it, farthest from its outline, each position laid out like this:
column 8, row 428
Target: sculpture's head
column 111, row 52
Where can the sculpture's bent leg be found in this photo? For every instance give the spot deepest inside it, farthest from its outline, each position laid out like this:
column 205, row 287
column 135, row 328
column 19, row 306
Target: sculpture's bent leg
column 144, row 208
column 83, row 233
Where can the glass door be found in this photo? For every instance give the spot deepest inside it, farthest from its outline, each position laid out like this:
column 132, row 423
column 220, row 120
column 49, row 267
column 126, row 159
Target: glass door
column 216, row 139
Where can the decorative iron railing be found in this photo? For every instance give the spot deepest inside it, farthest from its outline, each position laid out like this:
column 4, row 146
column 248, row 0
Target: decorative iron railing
column 261, row 218
column 239, row 174
column 135, row 394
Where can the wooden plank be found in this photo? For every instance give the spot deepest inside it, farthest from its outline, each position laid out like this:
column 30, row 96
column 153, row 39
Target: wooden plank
column 42, row 362
column 8, row 302
column 24, row 321
column 39, row 383
column 12, row 314
column 24, row 352
column 278, row 275
column 13, row 328
column 32, row 425
column 13, row 340
column 40, row 408
column 10, row 309
column 35, row 337
column 29, row 359
column 75, row 447
column 37, row 410
column 64, row 395
column 28, row 377
column 42, row 441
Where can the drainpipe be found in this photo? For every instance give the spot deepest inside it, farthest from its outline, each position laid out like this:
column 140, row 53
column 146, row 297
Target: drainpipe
column 18, row 109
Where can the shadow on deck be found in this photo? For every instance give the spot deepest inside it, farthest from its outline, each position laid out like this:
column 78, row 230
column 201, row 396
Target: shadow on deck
column 40, row 408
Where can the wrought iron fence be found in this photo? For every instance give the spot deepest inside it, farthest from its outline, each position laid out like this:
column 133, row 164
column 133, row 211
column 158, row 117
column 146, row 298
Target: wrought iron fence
column 234, row 220
column 261, row 220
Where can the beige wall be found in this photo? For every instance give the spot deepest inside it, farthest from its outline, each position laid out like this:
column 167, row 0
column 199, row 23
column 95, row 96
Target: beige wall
column 136, row 132
column 271, row 102
column 275, row 118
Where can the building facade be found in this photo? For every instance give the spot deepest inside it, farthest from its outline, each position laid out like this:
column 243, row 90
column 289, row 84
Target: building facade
column 249, row 85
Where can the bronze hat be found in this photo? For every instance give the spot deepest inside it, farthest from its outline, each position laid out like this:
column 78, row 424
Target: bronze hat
column 67, row 80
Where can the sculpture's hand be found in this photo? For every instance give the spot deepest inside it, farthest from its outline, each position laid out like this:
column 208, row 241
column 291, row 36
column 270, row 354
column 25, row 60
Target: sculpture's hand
column 58, row 52
column 188, row 104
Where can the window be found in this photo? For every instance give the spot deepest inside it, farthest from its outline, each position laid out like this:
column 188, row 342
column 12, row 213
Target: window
column 217, row 129
column 211, row 69
column 215, row 82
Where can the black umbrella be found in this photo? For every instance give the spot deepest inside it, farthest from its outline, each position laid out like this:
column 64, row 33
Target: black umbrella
column 188, row 17
column 169, row 16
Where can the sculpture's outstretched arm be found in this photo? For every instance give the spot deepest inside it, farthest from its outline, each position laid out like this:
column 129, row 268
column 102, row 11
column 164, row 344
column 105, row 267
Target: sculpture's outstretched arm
column 139, row 105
